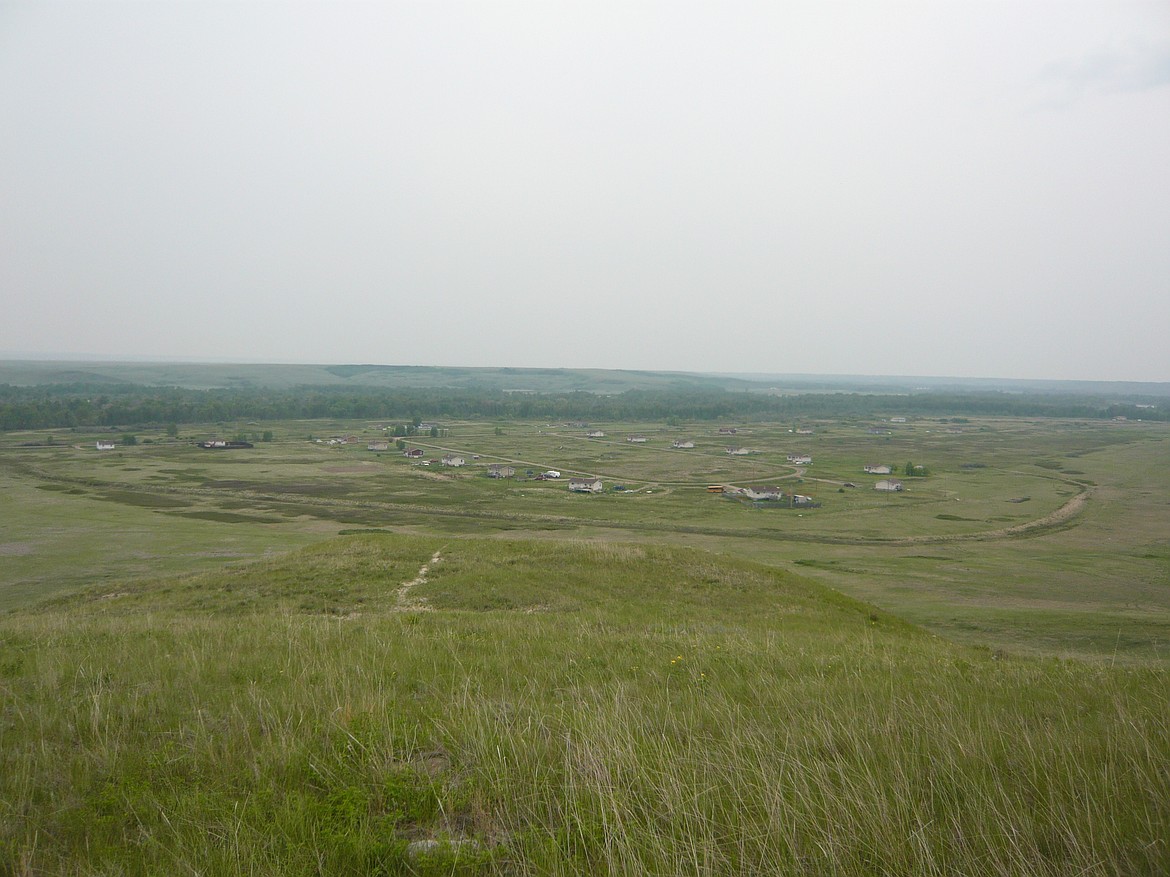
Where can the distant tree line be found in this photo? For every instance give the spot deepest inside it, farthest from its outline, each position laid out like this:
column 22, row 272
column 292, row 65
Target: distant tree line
column 80, row 405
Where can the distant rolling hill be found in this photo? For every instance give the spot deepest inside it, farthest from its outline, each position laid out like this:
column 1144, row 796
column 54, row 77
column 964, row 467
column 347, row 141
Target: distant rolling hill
column 206, row 376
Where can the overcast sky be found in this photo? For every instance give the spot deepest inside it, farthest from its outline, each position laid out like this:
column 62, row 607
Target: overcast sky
column 943, row 188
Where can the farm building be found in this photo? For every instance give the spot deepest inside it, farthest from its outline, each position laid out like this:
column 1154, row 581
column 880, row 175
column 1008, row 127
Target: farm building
column 414, row 453
column 636, row 439
column 585, row 485
column 889, row 484
column 881, row 469
column 105, row 446
column 499, row 470
column 453, row 460
column 682, row 443
column 378, row 445
column 765, row 493
column 595, row 433
column 800, row 459
column 737, row 451
column 728, row 430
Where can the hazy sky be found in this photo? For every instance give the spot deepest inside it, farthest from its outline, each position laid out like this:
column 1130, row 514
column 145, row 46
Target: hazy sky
column 943, row 188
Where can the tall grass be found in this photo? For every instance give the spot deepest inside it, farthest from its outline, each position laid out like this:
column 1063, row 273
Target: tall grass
column 564, row 710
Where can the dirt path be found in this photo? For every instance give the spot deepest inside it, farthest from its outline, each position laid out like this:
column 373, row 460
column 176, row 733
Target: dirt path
column 1066, row 512
column 406, row 603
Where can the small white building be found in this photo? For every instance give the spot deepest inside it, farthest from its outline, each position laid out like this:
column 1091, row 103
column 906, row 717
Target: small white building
column 105, row 446
column 889, row 484
column 897, row 420
column 552, row 473
column 585, row 485
column 378, row 445
column 682, row 443
column 737, row 451
column 636, row 439
column 763, row 493
column 880, row 469
column 453, row 460
column 595, row 433
column 800, row 459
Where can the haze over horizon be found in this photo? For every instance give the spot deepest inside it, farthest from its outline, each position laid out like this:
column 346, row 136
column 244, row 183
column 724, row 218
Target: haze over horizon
column 962, row 189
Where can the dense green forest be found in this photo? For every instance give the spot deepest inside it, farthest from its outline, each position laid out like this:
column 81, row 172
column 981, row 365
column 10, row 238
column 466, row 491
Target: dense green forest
column 88, row 405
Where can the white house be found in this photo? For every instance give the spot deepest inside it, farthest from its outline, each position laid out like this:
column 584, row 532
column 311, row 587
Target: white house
column 682, row 443
column 897, row 420
column 766, row 493
column 877, row 470
column 500, row 470
column 453, row 460
column 378, row 445
column 595, row 433
column 636, row 439
column 585, row 485
column 737, row 452
column 800, row 459
column 105, row 446
column 889, row 484
column 552, row 473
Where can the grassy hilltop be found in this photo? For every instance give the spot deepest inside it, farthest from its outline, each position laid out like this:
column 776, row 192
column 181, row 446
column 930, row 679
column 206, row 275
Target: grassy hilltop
column 383, row 704
column 317, row 656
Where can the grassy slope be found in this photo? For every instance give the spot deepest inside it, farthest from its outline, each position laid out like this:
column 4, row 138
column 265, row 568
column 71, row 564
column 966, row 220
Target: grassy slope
column 560, row 709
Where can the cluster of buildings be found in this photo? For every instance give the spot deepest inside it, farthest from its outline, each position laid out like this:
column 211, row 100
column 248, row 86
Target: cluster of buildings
column 755, row 493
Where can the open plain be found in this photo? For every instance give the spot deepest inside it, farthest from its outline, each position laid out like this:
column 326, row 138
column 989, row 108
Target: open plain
column 307, row 656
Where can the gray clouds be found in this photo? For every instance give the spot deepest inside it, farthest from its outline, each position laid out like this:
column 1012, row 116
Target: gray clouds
column 963, row 189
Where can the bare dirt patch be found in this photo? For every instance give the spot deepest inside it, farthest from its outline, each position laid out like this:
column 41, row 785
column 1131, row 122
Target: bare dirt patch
column 406, row 603
column 15, row 549
column 433, row 476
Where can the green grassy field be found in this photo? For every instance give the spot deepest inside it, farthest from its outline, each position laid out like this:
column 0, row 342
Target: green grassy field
column 980, row 549
column 304, row 658
column 555, row 708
